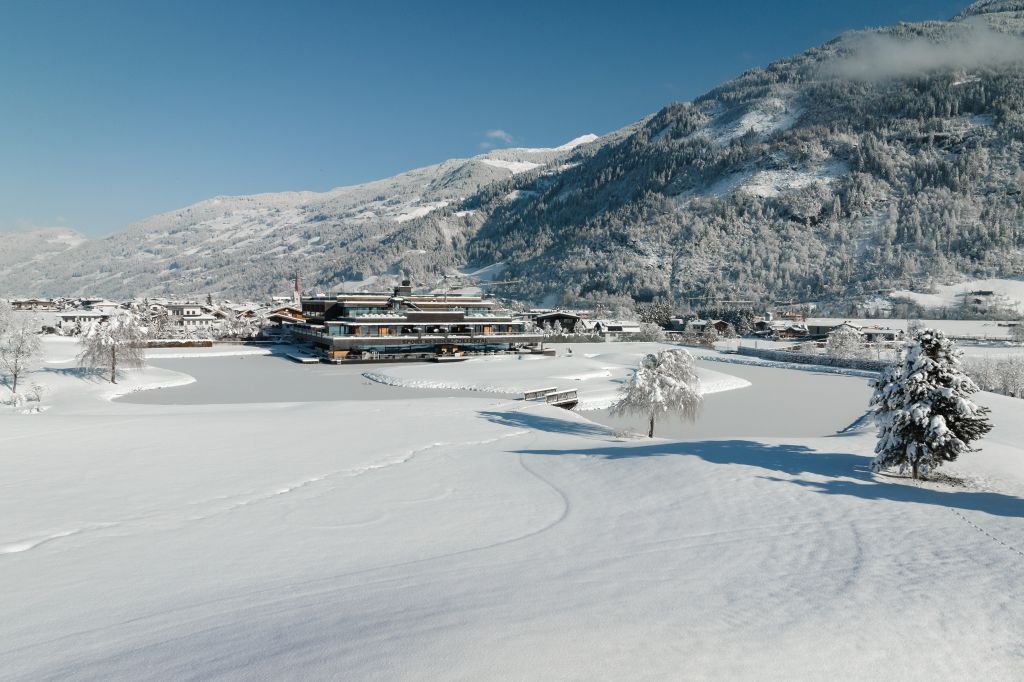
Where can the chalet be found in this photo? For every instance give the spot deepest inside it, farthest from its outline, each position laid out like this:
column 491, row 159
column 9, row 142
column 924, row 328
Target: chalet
column 788, row 330
column 33, row 304
column 404, row 324
column 874, row 330
column 882, row 334
column 190, row 317
column 616, row 328
column 785, row 328
column 716, row 327
column 75, row 321
column 559, row 320
column 286, row 314
column 103, row 306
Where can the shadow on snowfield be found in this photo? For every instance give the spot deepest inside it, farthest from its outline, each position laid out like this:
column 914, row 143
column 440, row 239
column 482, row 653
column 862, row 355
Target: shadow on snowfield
column 538, row 422
column 844, row 474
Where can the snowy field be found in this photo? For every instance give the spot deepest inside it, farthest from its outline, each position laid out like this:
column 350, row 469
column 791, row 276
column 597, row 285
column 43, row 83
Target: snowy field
column 1009, row 292
column 246, row 533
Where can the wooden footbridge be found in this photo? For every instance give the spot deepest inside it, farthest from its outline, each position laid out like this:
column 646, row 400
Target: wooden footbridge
column 552, row 396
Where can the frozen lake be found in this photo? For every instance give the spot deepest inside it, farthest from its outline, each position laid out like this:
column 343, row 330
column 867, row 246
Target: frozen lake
column 271, row 379
column 778, row 402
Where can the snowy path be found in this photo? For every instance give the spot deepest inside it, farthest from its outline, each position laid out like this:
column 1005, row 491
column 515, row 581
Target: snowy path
column 480, row 538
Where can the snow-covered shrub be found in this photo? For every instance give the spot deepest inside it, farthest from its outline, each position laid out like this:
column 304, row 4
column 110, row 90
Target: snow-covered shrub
column 923, row 408
column 649, row 332
column 35, row 393
column 666, row 383
column 845, row 342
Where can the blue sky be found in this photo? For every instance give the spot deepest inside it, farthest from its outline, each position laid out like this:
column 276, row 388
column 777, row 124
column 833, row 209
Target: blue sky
column 113, row 111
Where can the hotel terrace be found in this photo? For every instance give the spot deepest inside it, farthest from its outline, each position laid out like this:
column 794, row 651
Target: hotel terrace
column 407, row 325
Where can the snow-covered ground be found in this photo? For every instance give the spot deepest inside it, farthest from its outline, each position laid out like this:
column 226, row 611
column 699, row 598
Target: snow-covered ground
column 594, row 370
column 476, row 537
column 1008, row 292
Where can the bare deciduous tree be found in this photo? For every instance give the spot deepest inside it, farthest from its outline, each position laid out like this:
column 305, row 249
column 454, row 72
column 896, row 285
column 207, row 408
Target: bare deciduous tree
column 19, row 349
column 666, row 383
column 114, row 344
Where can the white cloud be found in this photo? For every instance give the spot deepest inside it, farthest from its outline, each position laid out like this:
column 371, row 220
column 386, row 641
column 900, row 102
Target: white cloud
column 496, row 137
column 972, row 45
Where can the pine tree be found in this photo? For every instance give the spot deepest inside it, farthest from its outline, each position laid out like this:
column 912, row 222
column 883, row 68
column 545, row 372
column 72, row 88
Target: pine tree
column 664, row 383
column 115, row 343
column 923, row 407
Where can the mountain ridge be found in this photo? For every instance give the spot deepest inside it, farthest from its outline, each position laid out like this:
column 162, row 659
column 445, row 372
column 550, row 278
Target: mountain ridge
column 884, row 158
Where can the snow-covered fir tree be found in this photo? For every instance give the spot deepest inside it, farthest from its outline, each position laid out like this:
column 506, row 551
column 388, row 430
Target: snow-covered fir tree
column 116, row 343
column 665, row 383
column 923, row 407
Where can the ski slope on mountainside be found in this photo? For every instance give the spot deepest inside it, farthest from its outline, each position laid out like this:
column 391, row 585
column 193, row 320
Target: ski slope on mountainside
column 481, row 538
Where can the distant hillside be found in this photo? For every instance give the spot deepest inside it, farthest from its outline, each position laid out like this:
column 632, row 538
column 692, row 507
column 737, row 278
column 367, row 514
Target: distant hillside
column 252, row 245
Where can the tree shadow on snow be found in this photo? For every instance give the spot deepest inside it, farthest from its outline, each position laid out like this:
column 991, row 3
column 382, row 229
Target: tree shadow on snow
column 539, row 422
column 86, row 373
column 843, row 473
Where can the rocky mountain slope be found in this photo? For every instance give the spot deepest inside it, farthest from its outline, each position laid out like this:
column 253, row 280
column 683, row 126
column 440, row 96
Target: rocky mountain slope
column 890, row 158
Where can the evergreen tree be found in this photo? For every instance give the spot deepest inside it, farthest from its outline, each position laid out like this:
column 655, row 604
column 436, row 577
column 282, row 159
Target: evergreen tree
column 923, row 407
column 666, row 383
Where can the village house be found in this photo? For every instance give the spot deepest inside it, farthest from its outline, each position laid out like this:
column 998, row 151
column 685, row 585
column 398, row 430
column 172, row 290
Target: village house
column 33, row 304
column 102, row 306
column 190, row 317
column 286, row 314
column 77, row 321
column 404, row 324
column 559, row 320
column 699, row 326
column 613, row 329
column 873, row 330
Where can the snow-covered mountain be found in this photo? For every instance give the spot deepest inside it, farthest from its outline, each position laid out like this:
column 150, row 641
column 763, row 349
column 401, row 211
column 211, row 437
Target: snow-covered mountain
column 884, row 159
column 252, row 245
